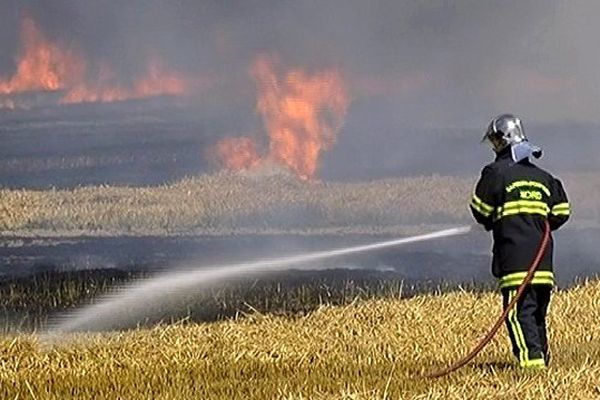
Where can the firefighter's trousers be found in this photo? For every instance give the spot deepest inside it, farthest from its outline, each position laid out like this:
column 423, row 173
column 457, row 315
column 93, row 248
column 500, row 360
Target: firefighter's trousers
column 527, row 324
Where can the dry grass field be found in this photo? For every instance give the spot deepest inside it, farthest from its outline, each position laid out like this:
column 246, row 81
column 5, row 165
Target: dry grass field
column 229, row 203
column 374, row 349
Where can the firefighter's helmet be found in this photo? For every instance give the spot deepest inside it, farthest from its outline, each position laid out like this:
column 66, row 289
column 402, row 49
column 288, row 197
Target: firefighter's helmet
column 504, row 130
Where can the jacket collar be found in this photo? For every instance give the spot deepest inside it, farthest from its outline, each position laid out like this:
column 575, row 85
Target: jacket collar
column 503, row 154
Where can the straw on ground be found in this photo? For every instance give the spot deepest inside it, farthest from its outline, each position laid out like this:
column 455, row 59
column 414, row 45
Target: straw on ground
column 367, row 350
column 229, row 203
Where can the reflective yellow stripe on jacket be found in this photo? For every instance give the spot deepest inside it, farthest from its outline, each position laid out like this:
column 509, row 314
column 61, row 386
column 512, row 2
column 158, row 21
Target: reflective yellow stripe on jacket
column 522, row 207
column 561, row 209
column 481, row 207
column 516, row 278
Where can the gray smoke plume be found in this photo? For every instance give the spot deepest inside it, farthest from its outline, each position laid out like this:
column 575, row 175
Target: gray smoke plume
column 418, row 71
column 435, row 63
column 425, row 77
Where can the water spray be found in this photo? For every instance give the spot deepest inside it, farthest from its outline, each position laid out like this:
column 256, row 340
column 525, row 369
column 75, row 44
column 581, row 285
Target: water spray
column 138, row 297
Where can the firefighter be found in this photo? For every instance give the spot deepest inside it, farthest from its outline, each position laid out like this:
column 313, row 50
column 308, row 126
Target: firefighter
column 512, row 199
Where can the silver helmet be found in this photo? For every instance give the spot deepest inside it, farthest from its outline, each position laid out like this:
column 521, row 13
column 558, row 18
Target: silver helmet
column 504, row 130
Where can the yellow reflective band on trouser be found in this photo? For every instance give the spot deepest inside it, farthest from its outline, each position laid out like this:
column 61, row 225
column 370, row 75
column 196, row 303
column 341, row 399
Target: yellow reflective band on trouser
column 516, row 278
column 536, row 363
column 534, row 184
column 522, row 207
column 517, row 332
column 561, row 209
column 483, row 208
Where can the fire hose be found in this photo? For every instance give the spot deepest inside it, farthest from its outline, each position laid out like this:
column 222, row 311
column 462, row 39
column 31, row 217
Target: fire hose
column 530, row 273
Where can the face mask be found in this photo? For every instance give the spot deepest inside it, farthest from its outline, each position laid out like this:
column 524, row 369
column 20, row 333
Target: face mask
column 522, row 150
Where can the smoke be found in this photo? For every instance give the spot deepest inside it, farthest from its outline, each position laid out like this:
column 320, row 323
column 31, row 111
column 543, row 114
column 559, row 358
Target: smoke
column 436, row 63
column 424, row 78
column 138, row 300
column 411, row 68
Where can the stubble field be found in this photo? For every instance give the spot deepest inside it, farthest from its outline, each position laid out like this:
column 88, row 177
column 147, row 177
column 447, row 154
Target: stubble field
column 362, row 345
column 373, row 349
column 236, row 203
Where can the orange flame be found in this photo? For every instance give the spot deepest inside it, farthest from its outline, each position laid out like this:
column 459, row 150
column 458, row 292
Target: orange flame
column 237, row 153
column 42, row 65
column 103, row 90
column 156, row 81
column 46, row 66
column 302, row 114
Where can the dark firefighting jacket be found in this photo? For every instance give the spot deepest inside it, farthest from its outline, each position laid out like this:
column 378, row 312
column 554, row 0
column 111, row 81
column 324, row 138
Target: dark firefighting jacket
column 513, row 200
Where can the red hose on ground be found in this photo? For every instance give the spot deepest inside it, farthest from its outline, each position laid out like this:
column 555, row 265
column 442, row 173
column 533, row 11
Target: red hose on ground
column 534, row 264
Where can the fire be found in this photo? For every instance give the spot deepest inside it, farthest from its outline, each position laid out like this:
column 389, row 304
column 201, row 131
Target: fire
column 159, row 81
column 103, row 89
column 237, row 153
column 302, row 114
column 46, row 66
column 156, row 81
column 42, row 65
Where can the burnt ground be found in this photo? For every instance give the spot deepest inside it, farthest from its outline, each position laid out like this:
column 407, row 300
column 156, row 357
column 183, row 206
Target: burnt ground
column 157, row 141
column 456, row 259
column 44, row 279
